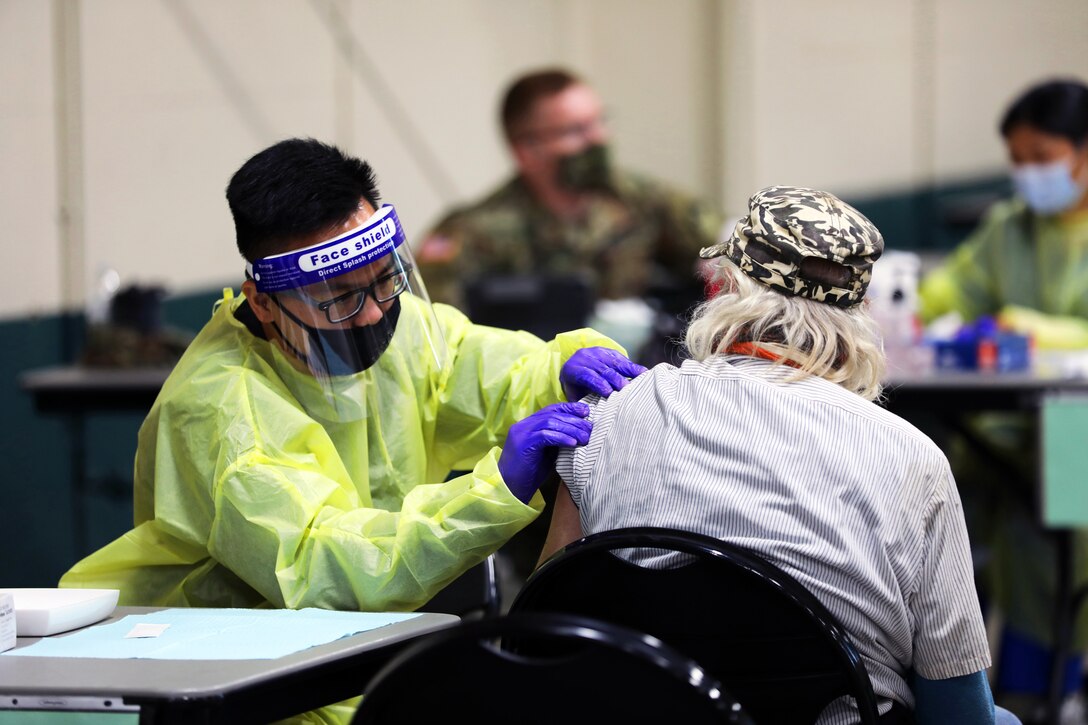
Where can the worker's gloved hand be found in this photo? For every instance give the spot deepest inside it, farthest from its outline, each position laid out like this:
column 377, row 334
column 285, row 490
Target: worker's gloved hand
column 532, row 445
column 599, row 370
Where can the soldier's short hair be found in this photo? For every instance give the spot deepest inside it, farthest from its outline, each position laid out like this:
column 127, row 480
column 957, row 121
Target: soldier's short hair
column 524, row 92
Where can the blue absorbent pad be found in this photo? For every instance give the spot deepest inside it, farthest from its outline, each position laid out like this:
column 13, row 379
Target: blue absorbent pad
column 211, row 634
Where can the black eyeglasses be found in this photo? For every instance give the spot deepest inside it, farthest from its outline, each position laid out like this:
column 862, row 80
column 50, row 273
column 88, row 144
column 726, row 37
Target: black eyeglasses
column 572, row 132
column 344, row 307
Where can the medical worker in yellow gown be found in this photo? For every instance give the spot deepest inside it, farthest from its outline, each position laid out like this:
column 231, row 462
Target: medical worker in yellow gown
column 1027, row 265
column 297, row 456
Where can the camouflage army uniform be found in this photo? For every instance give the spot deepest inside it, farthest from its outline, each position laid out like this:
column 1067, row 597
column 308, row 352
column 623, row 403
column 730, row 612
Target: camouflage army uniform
column 643, row 235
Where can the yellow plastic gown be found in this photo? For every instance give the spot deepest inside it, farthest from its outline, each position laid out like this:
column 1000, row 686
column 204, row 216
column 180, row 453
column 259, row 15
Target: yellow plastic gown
column 1030, row 270
column 253, row 489
column 244, row 497
column 1032, row 273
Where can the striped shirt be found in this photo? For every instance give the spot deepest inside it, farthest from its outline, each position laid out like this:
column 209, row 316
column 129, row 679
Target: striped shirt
column 854, row 502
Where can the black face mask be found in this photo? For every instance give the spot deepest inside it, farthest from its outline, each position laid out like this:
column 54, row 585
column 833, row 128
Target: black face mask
column 588, row 170
column 344, row 351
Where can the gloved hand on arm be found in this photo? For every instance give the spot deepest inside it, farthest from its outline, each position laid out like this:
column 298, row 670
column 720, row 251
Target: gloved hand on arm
column 532, row 445
column 599, row 370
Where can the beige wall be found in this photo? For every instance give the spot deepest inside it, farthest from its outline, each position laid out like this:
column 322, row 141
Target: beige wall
column 863, row 97
column 28, row 162
column 122, row 120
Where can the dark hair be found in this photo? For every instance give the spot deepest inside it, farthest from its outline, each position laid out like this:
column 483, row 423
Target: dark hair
column 292, row 189
column 523, row 93
column 1058, row 107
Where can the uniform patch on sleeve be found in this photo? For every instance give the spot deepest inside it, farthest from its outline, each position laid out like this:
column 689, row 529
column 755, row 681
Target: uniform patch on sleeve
column 438, row 248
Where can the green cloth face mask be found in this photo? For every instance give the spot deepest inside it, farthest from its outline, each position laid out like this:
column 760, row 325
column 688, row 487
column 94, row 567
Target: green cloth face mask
column 588, row 170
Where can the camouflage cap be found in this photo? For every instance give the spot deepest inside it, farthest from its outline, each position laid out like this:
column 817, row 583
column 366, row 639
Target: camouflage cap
column 804, row 242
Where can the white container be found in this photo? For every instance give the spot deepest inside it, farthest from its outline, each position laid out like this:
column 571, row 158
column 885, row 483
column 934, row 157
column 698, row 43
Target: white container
column 43, row 612
column 893, row 302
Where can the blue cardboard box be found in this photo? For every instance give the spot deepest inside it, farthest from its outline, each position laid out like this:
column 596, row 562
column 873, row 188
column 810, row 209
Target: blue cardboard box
column 1002, row 352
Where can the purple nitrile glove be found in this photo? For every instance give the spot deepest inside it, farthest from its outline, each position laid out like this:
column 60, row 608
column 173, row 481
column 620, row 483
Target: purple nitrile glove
column 599, row 370
column 531, row 445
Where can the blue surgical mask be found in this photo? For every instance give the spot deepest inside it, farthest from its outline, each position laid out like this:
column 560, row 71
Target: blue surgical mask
column 1047, row 188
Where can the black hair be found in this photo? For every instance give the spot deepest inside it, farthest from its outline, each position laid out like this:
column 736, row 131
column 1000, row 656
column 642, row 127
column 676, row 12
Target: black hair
column 295, row 188
column 523, row 93
column 1057, row 107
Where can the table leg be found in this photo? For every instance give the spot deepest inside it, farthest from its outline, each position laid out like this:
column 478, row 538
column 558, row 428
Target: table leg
column 1065, row 606
column 78, row 449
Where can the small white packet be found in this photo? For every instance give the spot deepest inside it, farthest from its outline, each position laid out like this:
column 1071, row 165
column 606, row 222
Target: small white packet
column 145, row 630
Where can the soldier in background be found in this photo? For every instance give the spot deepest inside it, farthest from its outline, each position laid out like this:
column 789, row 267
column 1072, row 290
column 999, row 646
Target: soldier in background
column 568, row 210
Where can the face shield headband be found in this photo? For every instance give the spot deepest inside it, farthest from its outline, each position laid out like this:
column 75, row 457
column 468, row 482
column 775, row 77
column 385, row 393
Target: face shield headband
column 380, row 235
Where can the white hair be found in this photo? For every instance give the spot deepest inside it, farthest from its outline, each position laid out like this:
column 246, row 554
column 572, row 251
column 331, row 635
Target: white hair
column 839, row 344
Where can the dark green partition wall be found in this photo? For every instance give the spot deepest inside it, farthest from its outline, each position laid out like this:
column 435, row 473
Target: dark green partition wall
column 931, row 219
column 37, row 506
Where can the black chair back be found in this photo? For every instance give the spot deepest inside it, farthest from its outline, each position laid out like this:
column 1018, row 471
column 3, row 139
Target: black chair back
column 597, row 673
column 544, row 304
column 473, row 595
column 773, row 645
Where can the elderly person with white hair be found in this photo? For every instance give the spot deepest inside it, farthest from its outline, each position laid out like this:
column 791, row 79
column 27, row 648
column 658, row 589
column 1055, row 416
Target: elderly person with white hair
column 768, row 438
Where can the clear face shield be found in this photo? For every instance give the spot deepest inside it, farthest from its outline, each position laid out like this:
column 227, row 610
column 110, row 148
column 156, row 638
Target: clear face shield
column 350, row 311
